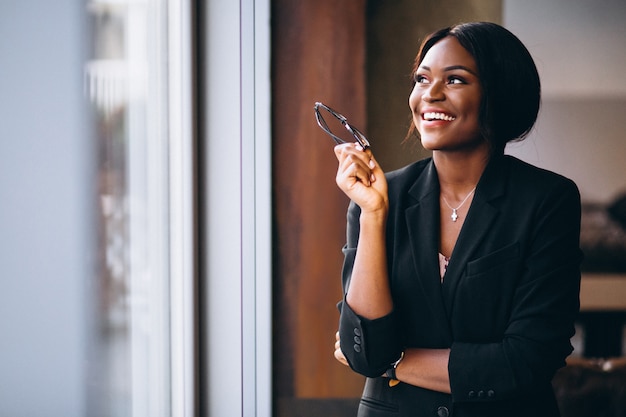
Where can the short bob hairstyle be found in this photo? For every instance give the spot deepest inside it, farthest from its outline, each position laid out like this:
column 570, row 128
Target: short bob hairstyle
column 511, row 91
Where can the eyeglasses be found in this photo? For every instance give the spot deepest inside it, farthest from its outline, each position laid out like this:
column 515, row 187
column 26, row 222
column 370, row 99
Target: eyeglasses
column 356, row 133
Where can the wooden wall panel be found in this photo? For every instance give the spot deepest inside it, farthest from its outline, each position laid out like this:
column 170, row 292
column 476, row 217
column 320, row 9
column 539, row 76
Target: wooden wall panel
column 318, row 55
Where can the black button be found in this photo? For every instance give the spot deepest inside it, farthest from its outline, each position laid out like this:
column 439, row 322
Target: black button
column 443, row 411
column 491, row 393
column 481, row 394
column 471, row 394
column 357, row 348
column 357, row 340
column 357, row 331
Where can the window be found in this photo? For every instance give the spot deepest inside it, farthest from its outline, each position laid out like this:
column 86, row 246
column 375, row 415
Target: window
column 139, row 81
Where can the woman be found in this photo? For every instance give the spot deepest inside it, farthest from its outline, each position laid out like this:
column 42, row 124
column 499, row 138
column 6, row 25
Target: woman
column 461, row 272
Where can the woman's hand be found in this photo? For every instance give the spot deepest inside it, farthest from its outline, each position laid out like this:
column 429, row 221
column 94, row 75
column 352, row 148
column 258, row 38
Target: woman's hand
column 338, row 353
column 360, row 177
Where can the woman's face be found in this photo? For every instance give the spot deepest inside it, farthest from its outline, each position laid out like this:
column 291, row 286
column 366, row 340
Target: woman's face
column 445, row 101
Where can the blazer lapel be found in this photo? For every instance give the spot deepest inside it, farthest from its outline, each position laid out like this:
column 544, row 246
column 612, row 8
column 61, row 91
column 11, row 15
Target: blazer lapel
column 422, row 220
column 480, row 218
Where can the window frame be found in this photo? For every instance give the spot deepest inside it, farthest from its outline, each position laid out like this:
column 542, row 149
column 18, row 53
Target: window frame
column 236, row 208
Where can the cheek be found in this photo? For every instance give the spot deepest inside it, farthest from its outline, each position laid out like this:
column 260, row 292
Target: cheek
column 469, row 108
column 476, row 110
column 413, row 100
column 475, row 105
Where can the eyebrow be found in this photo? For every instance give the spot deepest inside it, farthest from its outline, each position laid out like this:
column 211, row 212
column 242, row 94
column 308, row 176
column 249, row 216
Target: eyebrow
column 452, row 68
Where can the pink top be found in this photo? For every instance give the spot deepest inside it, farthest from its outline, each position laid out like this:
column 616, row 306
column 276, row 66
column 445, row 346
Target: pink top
column 443, row 265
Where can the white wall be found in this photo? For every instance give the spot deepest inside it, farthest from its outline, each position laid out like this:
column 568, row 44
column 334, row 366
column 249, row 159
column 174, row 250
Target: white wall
column 44, row 234
column 579, row 48
column 579, row 45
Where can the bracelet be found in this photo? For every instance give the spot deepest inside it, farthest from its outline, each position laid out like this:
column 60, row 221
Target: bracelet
column 391, row 372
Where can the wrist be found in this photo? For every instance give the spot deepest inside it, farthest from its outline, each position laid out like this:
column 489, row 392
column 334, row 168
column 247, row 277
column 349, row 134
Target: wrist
column 391, row 371
column 378, row 216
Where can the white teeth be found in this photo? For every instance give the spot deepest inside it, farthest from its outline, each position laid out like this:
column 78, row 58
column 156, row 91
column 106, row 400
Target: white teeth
column 438, row 116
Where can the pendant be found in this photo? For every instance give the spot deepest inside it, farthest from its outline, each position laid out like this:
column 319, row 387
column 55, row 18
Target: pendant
column 454, row 216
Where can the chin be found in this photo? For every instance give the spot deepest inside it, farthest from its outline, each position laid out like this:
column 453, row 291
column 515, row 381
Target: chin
column 429, row 144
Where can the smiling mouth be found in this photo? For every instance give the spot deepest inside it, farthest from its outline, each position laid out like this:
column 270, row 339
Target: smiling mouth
column 437, row 116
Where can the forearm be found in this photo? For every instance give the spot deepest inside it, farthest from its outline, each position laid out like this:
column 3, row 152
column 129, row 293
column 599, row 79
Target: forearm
column 369, row 294
column 425, row 368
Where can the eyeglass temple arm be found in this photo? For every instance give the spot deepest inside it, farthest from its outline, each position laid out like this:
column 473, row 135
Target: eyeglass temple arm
column 360, row 138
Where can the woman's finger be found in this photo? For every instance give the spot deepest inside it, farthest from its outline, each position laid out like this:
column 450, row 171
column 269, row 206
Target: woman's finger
column 340, row 357
column 354, row 166
column 338, row 353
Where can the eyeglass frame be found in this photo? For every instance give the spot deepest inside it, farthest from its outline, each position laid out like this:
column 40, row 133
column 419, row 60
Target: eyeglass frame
column 358, row 135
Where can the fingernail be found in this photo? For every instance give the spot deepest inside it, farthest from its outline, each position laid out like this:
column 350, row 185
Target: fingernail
column 358, row 147
column 372, row 177
column 372, row 164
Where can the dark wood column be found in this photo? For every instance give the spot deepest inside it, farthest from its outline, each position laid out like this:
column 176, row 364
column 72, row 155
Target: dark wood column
column 318, row 49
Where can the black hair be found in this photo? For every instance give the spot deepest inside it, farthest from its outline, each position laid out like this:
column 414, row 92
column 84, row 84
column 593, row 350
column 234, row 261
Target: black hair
column 511, row 90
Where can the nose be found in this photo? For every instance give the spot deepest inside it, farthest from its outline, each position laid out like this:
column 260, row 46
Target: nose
column 434, row 92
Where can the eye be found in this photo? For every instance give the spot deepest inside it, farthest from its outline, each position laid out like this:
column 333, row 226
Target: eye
column 455, row 79
column 420, row 79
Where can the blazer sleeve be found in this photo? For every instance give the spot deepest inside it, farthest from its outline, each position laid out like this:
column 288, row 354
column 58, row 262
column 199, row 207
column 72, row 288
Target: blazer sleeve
column 370, row 346
column 545, row 304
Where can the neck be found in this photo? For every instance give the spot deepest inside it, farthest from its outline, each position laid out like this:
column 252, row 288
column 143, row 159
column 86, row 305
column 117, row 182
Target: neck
column 458, row 175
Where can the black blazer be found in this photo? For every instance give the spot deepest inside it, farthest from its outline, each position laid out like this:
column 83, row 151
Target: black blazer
column 506, row 307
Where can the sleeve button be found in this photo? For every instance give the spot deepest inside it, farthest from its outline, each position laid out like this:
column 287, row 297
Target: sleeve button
column 357, row 348
column 481, row 394
column 471, row 394
column 357, row 331
column 357, row 340
column 443, row 412
column 491, row 393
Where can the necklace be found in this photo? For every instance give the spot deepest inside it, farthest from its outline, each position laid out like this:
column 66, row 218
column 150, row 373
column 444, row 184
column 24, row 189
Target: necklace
column 454, row 216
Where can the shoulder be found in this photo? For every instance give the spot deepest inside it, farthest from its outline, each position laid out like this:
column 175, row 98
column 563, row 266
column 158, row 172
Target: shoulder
column 527, row 176
column 398, row 182
column 407, row 175
column 409, row 170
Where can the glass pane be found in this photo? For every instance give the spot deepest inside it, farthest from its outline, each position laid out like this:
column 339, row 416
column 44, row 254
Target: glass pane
column 125, row 80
